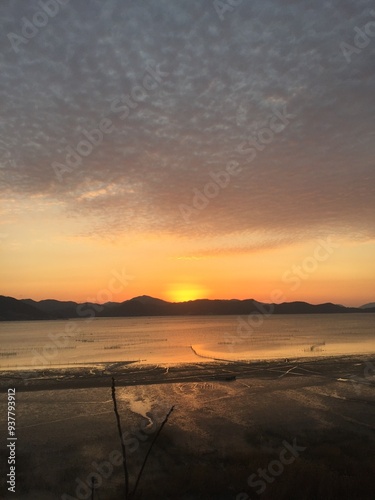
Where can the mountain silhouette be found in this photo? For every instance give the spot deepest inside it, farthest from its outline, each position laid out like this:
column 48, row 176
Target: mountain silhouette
column 16, row 310
column 371, row 305
column 12, row 309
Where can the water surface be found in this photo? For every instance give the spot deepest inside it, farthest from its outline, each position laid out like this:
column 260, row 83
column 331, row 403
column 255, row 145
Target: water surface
column 170, row 340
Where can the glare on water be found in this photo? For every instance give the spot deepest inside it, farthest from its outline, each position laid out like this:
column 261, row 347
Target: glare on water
column 171, row 340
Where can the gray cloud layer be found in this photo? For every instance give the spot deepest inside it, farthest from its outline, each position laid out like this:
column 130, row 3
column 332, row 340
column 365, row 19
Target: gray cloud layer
column 224, row 81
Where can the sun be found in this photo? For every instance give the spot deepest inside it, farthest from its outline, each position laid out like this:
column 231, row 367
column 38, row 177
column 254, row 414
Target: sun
column 182, row 292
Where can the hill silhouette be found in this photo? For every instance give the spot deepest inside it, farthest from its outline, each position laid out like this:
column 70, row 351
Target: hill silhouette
column 12, row 309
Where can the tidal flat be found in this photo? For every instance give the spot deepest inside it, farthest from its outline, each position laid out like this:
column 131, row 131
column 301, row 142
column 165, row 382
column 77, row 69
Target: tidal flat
column 291, row 429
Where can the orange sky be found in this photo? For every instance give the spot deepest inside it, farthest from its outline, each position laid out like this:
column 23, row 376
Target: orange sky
column 42, row 259
column 202, row 156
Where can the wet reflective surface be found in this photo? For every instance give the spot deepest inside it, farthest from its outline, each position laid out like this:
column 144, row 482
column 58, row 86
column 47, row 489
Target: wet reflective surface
column 172, row 340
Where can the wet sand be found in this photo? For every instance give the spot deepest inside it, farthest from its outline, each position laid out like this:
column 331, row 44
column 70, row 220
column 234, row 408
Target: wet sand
column 220, row 437
column 129, row 373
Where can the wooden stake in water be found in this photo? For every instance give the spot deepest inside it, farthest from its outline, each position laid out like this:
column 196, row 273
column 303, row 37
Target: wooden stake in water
column 126, row 473
column 92, row 487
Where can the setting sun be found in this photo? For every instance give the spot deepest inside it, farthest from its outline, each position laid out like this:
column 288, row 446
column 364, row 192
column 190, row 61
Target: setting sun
column 184, row 292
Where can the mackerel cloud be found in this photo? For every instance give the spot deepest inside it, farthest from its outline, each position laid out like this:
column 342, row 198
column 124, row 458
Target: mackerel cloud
column 129, row 110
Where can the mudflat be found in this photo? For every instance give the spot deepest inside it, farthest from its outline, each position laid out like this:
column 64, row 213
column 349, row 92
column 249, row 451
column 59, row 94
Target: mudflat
column 292, row 429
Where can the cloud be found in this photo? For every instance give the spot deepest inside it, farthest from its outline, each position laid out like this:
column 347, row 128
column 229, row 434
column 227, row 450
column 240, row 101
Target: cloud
column 223, row 82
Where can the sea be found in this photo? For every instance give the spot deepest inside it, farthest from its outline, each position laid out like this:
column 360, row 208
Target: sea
column 188, row 339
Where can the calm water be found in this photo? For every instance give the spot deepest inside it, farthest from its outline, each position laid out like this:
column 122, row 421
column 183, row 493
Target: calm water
column 183, row 339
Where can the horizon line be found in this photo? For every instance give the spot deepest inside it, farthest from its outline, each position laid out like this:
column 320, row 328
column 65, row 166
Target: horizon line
column 186, row 301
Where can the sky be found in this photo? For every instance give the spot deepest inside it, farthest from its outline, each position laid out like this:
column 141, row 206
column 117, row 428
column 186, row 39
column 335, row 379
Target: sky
column 188, row 149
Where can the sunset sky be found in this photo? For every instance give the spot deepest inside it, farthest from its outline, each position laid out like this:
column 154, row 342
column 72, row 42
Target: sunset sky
column 232, row 150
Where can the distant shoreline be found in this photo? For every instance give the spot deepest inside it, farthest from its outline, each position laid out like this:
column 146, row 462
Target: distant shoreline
column 150, row 316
